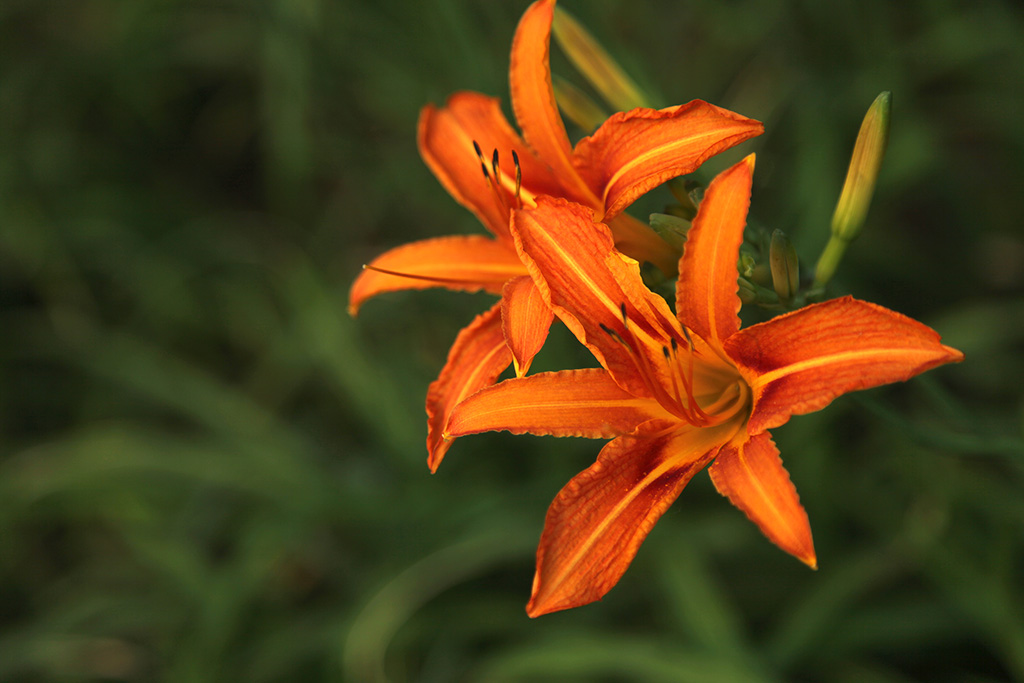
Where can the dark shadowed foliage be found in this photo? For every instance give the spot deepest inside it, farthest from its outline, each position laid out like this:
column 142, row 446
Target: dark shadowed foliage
column 210, row 472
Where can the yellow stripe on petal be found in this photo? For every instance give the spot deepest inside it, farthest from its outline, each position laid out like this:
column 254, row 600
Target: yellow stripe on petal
column 634, row 152
column 591, row 286
column 597, row 522
column 750, row 474
column 475, row 360
column 706, row 293
column 800, row 362
column 585, row 403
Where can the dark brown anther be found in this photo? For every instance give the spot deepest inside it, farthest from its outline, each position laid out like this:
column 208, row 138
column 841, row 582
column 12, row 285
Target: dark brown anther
column 622, row 310
column 483, row 163
column 613, row 334
column 494, row 166
column 519, row 173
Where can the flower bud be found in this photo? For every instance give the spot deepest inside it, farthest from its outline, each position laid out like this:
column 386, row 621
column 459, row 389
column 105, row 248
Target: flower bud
column 685, row 192
column 577, row 105
column 747, row 291
column 785, row 266
column 863, row 172
column 672, row 229
column 596, row 65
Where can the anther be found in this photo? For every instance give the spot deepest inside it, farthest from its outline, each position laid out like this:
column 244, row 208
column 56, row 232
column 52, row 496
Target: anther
column 483, row 163
column 495, row 167
column 614, row 335
column 519, row 177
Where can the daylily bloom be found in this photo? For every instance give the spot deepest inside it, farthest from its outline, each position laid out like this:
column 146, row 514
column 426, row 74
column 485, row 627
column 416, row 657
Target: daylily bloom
column 489, row 169
column 677, row 391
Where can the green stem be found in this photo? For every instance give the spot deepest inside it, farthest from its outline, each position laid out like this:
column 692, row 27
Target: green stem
column 829, row 260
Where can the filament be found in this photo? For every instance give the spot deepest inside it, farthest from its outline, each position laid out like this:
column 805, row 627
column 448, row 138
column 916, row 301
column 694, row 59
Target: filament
column 413, row 276
column 495, row 182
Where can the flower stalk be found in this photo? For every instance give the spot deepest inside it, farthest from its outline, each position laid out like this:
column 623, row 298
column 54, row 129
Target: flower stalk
column 861, row 177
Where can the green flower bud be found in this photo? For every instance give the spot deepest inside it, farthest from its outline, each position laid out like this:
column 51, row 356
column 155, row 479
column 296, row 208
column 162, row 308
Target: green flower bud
column 577, row 106
column 672, row 229
column 683, row 190
column 848, row 218
column 784, row 265
column 596, row 65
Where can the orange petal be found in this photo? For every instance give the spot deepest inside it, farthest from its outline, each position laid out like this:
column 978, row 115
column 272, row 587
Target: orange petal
column 706, row 299
column 587, row 282
column 476, row 359
column 445, row 139
column 585, row 403
column 466, row 263
column 533, row 100
column 525, row 320
column 799, row 362
column 750, row 474
column 597, row 522
column 633, row 152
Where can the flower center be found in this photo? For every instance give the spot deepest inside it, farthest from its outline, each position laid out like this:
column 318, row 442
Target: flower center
column 701, row 393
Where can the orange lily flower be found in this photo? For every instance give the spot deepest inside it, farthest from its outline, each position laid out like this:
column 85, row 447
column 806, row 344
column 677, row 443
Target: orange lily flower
column 629, row 155
column 677, row 391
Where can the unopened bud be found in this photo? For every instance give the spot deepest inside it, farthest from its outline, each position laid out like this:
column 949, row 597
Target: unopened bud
column 596, row 65
column 747, row 291
column 785, row 266
column 577, row 106
column 683, row 190
column 746, row 265
column 863, row 172
column 672, row 229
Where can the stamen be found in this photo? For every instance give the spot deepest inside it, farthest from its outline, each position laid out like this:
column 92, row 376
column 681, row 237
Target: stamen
column 483, row 163
column 647, row 370
column 679, row 399
column 519, row 179
column 677, row 393
column 699, row 414
column 412, row 276
column 686, row 333
column 492, row 182
column 614, row 335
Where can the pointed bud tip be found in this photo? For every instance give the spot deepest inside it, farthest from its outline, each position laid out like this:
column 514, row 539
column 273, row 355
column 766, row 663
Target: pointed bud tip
column 884, row 101
column 862, row 174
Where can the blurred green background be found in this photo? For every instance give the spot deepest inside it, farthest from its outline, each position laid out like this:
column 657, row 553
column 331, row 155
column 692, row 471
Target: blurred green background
column 209, row 472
